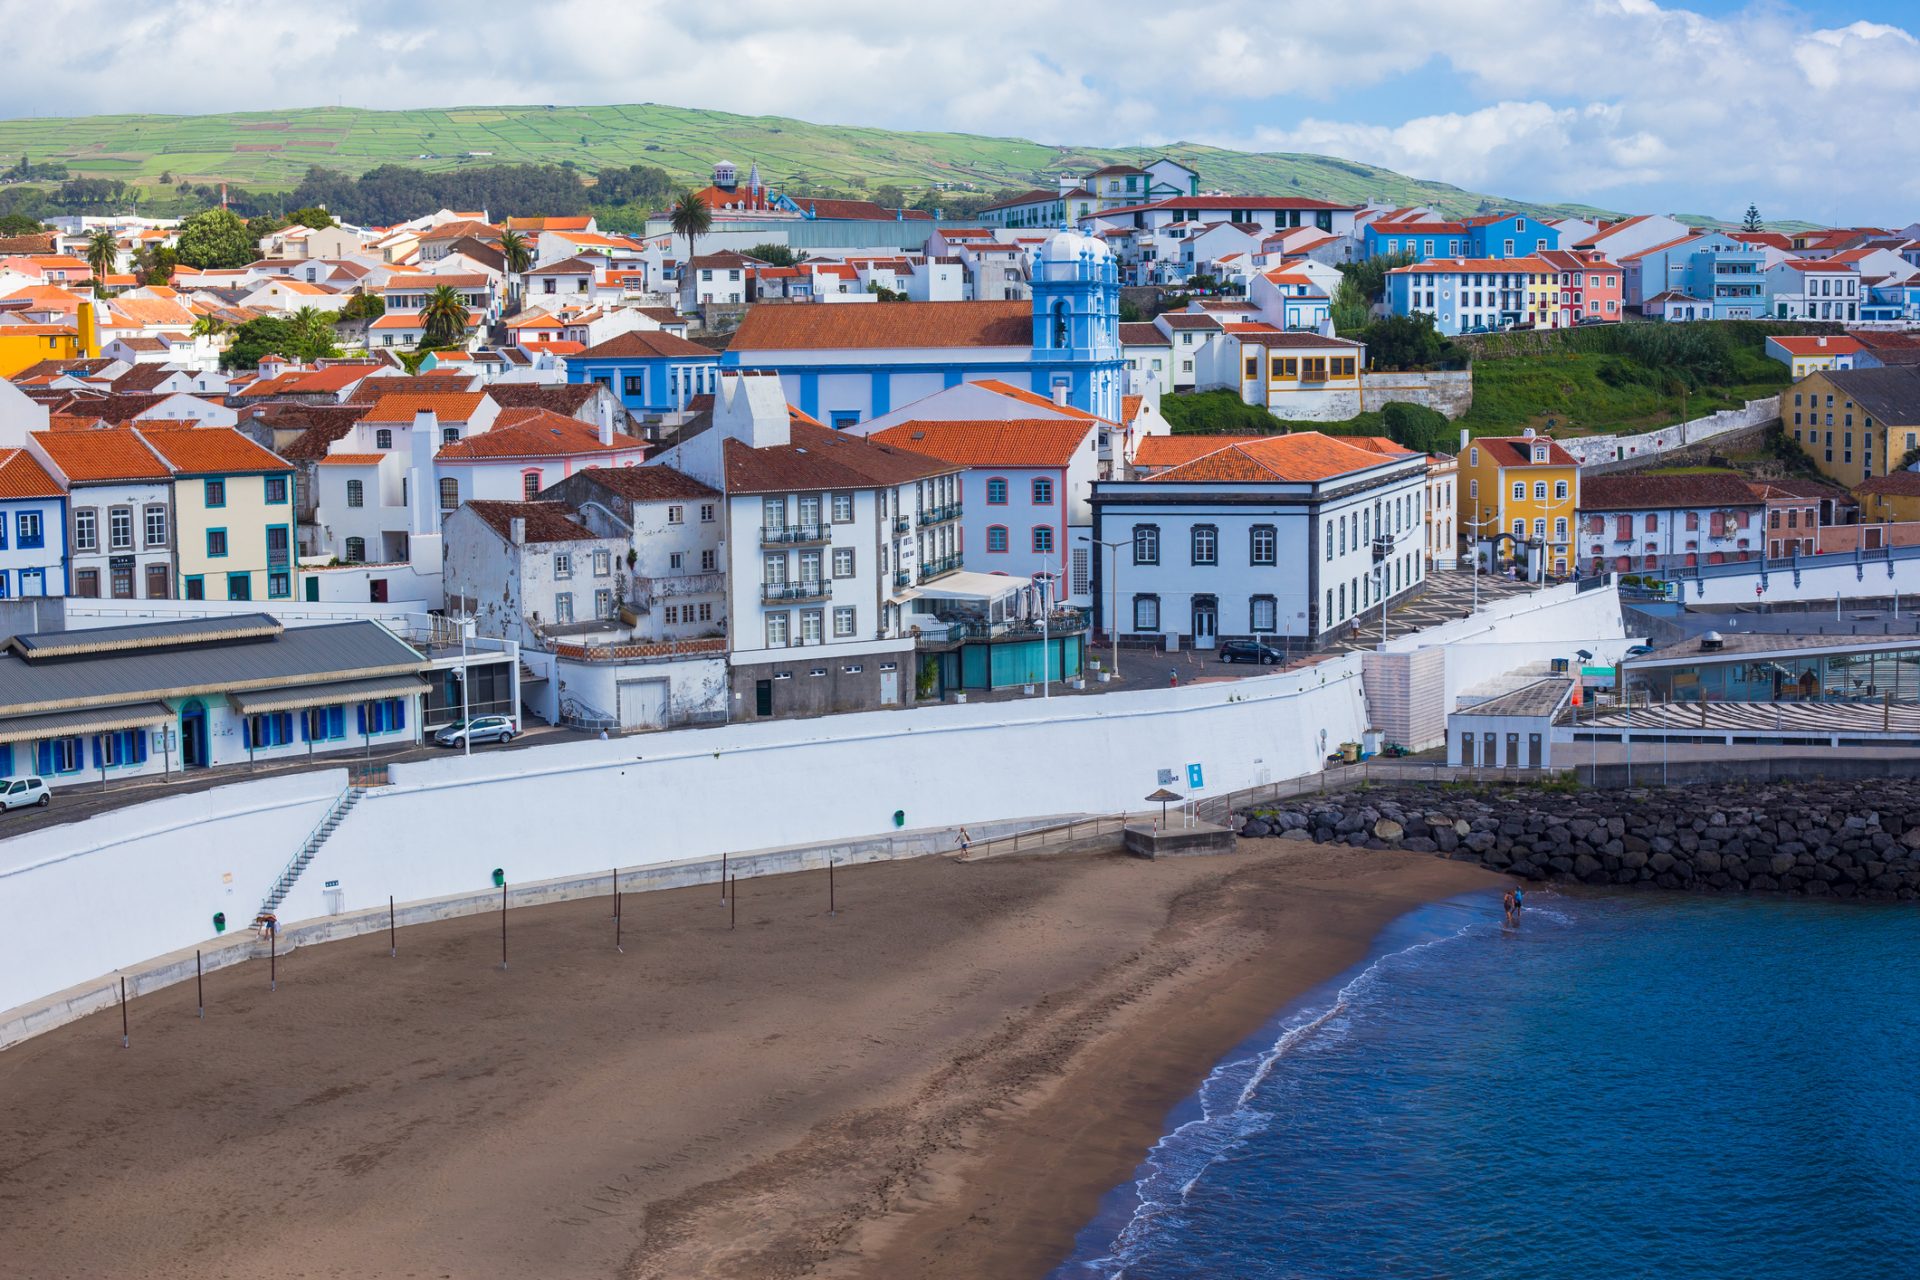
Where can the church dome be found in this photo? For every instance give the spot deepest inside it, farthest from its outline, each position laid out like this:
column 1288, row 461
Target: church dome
column 1071, row 246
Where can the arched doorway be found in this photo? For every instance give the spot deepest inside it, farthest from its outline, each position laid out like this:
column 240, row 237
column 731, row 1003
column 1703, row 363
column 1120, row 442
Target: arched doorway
column 193, row 735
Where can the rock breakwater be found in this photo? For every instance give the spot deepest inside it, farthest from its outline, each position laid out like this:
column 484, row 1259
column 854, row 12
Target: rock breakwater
column 1845, row 840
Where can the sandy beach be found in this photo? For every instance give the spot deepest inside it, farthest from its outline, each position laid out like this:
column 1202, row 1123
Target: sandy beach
column 940, row 1081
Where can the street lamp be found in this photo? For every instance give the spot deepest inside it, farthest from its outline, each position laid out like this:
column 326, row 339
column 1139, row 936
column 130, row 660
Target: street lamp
column 1045, row 578
column 1113, row 596
column 466, row 685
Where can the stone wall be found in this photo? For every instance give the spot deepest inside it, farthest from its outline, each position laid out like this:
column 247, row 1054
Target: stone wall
column 1450, row 391
column 1817, row 839
column 1604, row 453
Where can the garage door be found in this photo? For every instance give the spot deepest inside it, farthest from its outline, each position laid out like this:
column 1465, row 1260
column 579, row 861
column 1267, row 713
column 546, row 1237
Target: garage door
column 643, row 704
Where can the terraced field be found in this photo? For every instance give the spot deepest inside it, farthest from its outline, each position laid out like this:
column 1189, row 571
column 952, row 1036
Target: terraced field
column 270, row 150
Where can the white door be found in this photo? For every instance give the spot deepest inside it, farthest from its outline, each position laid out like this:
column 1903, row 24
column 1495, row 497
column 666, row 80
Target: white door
column 889, row 688
column 1206, row 621
column 642, row 704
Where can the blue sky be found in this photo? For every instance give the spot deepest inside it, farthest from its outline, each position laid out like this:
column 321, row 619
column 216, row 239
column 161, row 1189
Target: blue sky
column 1811, row 110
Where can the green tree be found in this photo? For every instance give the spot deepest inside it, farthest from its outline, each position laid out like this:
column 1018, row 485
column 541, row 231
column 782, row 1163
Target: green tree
column 1370, row 277
column 1404, row 342
column 1351, row 308
column 1752, row 221
column 264, row 225
column 1215, row 413
column 776, row 255
column 154, row 264
column 297, row 336
column 362, row 306
column 1420, row 428
column 208, row 326
column 519, row 256
column 216, row 240
column 19, row 224
column 313, row 330
column 103, row 255
column 690, row 217
column 312, row 216
column 444, row 317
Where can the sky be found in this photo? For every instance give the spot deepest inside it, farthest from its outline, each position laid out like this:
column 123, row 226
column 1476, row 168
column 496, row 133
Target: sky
column 1811, row 110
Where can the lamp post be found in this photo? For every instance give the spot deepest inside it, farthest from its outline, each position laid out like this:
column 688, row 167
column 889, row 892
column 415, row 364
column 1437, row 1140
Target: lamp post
column 1045, row 579
column 1113, row 597
column 466, row 685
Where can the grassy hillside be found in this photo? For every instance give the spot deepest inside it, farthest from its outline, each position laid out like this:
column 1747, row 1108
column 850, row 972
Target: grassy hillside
column 270, row 150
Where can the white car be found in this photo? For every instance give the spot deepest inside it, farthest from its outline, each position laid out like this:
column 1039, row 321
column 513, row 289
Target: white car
column 17, row 793
column 479, row 729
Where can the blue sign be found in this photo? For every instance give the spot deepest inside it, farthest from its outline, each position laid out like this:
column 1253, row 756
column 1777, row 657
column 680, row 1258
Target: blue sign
column 1195, row 779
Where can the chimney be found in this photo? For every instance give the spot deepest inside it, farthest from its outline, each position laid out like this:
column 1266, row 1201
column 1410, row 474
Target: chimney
column 605, row 405
column 1528, row 433
column 517, row 531
column 1060, row 396
column 1823, row 340
column 1463, row 439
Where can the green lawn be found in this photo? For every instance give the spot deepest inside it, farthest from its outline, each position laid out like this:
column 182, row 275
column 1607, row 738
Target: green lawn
column 1583, row 392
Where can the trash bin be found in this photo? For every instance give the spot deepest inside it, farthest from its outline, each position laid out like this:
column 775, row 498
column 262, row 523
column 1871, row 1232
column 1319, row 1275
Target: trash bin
column 499, row 878
column 219, row 922
column 899, row 817
column 1350, row 752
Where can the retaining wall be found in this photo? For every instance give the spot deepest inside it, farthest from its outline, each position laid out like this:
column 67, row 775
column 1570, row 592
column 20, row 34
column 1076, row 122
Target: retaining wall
column 1601, row 454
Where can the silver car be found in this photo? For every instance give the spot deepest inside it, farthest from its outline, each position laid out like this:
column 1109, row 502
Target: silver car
column 479, row 729
column 18, row 793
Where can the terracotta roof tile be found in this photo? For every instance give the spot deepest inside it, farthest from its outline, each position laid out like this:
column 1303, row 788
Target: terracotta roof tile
column 546, row 521
column 351, row 460
column 1657, row 492
column 535, row 433
column 1017, row 442
column 821, row 458
column 647, row 344
column 210, row 450
column 905, row 325
column 1173, row 451
column 1300, row 457
column 22, row 476
column 448, row 406
column 1517, row 451
column 648, row 484
column 114, row 453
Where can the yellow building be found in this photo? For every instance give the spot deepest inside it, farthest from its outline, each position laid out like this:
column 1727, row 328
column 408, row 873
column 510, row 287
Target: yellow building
column 1889, row 499
column 232, row 512
column 24, row 345
column 1543, row 299
column 1854, row 423
column 1280, row 369
column 1525, row 488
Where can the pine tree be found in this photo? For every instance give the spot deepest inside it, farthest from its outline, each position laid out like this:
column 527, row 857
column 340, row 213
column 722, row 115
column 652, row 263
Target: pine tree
column 1752, row 221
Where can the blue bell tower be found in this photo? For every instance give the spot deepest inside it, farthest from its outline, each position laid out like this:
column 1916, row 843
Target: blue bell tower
column 1076, row 323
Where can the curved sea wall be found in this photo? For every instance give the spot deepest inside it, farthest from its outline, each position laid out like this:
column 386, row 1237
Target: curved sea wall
column 1845, row 840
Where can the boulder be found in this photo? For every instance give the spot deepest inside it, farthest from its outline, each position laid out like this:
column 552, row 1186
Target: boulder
column 1389, row 830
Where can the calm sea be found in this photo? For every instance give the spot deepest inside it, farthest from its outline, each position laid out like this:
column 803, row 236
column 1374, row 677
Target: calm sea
column 1620, row 1087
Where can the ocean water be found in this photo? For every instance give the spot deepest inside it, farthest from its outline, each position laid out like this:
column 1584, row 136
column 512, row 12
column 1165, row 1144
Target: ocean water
column 1640, row 1086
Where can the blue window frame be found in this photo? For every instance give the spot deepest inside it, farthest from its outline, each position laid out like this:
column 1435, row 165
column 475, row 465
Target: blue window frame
column 272, row 729
column 216, row 493
column 193, row 587
column 324, row 724
column 844, row 418
column 6, row 759
column 388, row 715
column 6, row 585
column 276, row 489
column 3, row 533
column 31, row 533
column 239, row 586
column 1043, row 493
column 216, row 543
column 996, row 537
column 997, row 492
column 58, row 755
column 279, row 586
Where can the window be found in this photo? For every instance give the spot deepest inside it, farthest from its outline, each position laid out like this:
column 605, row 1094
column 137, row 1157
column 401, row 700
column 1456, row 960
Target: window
column 602, row 602
column 842, row 509
column 1146, row 544
column 1264, row 615
column 388, row 715
column 325, row 724
column 196, row 587
column 844, row 620
column 1146, row 613
column 216, row 543
column 239, row 586
column 356, row 493
column 1263, row 545
column 563, row 606
column 86, row 529
column 1206, row 544
column 1540, row 491
column 28, row 529
column 996, row 538
column 383, row 438
column 776, row 631
column 156, row 526
column 1043, row 493
column 632, row 384
column 676, row 514
column 562, row 564
column 1519, row 491
column 812, row 622
column 1560, row 490
column 274, row 729
column 216, row 495
column 529, row 484
column 996, row 492
column 120, row 528
column 707, row 512
column 356, row 550
column 449, row 435
column 276, row 489
column 449, row 493
column 709, row 560
column 1043, row 538
column 843, row 562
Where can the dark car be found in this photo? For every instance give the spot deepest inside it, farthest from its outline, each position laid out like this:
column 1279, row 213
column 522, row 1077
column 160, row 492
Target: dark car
column 1250, row 651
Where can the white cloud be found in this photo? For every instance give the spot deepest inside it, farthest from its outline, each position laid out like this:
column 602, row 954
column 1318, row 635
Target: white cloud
column 1606, row 100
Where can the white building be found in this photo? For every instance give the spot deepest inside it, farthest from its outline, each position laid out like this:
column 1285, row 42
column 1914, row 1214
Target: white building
column 1639, row 521
column 1283, row 539
column 119, row 511
column 827, row 536
column 530, row 572
column 1443, row 534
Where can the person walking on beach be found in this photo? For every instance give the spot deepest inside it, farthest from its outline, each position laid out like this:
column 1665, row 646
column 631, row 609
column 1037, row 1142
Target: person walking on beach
column 964, row 840
column 1507, row 902
column 1519, row 900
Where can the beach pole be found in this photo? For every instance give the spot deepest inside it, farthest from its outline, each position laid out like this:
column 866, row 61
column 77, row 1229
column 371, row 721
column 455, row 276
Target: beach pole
column 503, row 926
column 199, row 990
column 733, row 904
column 393, row 944
column 273, row 958
column 723, row 877
column 616, row 911
column 830, row 906
column 123, row 1013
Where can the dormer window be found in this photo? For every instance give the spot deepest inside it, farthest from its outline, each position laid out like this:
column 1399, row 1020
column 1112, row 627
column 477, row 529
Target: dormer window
column 1539, row 455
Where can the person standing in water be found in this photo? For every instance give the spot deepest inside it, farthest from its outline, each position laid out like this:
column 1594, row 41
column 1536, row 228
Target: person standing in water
column 1519, row 900
column 1507, row 902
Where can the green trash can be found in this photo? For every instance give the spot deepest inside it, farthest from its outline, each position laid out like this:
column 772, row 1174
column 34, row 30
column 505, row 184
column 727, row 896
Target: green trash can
column 219, row 922
column 499, row 878
column 899, row 817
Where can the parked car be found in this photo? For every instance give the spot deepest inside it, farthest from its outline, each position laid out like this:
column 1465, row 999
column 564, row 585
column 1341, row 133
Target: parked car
column 17, row 793
column 1250, row 651
column 479, row 729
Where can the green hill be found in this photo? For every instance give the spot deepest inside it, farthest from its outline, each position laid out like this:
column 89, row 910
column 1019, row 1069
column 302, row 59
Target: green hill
column 270, row 150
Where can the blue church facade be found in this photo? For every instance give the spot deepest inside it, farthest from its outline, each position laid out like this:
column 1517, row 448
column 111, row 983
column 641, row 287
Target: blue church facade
column 844, row 364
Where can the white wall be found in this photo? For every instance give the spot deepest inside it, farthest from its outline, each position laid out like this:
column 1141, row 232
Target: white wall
column 82, row 899
column 1821, row 579
column 1534, row 627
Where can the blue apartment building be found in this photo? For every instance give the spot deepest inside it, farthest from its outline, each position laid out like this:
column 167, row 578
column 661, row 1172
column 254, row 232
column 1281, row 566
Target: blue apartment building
column 1725, row 278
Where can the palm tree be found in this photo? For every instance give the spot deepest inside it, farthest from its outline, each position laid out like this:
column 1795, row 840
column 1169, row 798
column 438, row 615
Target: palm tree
column 514, row 248
column 315, row 328
column 103, row 255
column 690, row 217
column 444, row 317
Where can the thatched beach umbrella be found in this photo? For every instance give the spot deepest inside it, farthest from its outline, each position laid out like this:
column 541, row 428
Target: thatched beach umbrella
column 1165, row 797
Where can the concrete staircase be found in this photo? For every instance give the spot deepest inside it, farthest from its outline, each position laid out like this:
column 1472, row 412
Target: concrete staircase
column 342, row 806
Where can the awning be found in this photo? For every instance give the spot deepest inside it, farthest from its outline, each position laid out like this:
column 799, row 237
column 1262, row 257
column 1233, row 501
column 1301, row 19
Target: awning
column 68, row 724
column 968, row 585
column 297, row 697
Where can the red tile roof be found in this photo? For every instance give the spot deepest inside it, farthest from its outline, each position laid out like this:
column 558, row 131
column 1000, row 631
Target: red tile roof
column 821, row 458
column 1134, row 333
column 1658, row 493
column 546, row 521
column 351, row 460
column 650, row 344
column 534, row 433
column 210, row 450
column 903, row 325
column 1033, row 398
column 22, row 476
column 1173, row 451
column 1019, row 442
column 648, row 484
column 1517, row 451
column 1803, row 345
column 448, row 406
column 1303, row 456
column 113, row 453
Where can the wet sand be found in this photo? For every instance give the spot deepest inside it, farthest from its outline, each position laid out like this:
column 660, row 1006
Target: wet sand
column 941, row 1081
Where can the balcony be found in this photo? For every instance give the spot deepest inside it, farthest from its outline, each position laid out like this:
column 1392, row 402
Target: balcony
column 902, row 524
column 796, row 535
column 794, row 592
column 939, row 515
column 933, row 632
column 902, row 580
column 931, row 569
